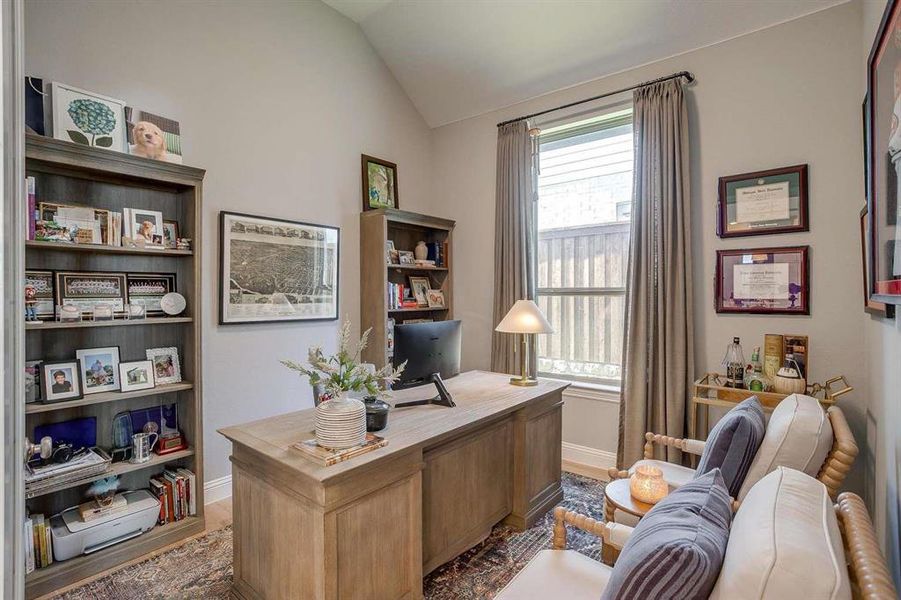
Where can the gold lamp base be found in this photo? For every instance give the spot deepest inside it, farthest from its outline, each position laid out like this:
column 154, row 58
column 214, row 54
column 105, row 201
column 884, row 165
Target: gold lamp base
column 523, row 380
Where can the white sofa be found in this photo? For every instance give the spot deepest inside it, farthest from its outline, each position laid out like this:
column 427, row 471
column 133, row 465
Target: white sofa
column 799, row 435
column 787, row 540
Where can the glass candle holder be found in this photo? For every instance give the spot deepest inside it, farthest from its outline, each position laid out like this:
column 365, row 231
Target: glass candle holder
column 647, row 484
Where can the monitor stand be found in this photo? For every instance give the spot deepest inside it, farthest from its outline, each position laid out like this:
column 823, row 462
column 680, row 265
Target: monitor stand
column 442, row 399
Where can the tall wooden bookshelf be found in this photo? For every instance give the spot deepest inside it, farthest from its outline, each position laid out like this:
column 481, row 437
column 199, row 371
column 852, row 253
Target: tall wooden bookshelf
column 74, row 174
column 405, row 229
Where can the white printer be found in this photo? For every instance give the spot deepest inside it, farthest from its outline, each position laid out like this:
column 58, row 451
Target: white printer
column 73, row 537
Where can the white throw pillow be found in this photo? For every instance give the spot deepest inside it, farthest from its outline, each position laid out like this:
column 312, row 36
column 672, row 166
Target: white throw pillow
column 798, row 436
column 784, row 543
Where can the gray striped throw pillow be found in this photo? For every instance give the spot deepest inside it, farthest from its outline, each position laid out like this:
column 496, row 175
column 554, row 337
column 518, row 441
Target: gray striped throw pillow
column 733, row 443
column 677, row 549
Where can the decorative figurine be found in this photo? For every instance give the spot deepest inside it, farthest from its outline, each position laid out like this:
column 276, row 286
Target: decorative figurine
column 183, row 243
column 30, row 303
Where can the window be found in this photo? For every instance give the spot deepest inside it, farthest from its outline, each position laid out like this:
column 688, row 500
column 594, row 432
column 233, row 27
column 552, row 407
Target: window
column 584, row 214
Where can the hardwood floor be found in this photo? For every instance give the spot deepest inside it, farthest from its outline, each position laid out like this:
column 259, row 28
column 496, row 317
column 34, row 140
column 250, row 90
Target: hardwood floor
column 218, row 515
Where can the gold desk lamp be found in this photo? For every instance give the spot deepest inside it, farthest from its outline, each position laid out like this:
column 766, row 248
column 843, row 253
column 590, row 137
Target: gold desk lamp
column 525, row 318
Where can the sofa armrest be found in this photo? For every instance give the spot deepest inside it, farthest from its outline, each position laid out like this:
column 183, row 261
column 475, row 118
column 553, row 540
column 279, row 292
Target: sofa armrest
column 842, row 454
column 688, row 445
column 613, row 534
column 869, row 573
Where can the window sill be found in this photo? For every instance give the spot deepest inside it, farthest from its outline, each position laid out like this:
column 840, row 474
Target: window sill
column 589, row 391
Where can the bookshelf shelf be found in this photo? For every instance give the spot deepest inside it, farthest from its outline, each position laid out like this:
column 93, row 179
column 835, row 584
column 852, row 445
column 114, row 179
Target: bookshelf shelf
column 61, row 574
column 405, row 229
column 50, row 325
column 415, row 268
column 114, row 181
column 102, row 397
column 120, row 468
column 99, row 248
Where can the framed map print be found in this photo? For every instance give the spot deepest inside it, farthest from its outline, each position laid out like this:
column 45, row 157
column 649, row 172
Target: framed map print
column 276, row 270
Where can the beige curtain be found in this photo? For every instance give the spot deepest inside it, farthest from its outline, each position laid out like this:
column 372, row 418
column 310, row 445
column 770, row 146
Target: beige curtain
column 658, row 347
column 515, row 245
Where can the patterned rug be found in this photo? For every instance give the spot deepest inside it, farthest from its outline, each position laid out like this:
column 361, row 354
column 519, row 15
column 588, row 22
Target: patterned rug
column 202, row 568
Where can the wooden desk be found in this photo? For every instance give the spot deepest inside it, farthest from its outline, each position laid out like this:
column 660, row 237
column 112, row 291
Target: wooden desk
column 372, row 526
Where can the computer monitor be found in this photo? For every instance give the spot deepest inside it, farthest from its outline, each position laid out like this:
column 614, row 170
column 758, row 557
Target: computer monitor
column 432, row 353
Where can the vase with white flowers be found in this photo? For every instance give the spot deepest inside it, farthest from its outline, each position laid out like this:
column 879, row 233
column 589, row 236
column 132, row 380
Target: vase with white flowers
column 341, row 420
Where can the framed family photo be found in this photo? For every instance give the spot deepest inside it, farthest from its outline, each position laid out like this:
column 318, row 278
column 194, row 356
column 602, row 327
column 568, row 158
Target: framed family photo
column 275, row 270
column 379, row 183
column 166, row 366
column 136, row 375
column 763, row 202
column 61, row 381
column 763, row 281
column 883, row 156
column 99, row 369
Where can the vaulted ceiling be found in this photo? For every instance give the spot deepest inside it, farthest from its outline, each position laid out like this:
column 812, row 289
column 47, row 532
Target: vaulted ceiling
column 460, row 58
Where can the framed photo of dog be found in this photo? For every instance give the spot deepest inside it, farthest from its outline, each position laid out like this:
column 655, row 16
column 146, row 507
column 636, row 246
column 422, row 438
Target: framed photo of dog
column 153, row 136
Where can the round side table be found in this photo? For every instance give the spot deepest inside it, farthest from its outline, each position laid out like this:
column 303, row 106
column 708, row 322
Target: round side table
column 618, row 496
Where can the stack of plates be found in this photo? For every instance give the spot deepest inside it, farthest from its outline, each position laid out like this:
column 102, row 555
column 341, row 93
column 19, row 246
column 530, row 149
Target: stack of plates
column 340, row 423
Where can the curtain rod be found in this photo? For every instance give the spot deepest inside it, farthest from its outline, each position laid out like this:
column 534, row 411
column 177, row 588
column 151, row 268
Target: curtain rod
column 688, row 78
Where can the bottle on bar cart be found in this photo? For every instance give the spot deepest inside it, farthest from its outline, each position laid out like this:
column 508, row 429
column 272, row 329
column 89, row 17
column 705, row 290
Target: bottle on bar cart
column 734, row 364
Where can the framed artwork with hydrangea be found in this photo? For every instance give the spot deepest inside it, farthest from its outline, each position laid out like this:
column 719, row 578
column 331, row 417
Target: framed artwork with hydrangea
column 87, row 118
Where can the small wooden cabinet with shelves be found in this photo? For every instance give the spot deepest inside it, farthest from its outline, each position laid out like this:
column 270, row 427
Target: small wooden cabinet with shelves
column 72, row 174
column 405, row 229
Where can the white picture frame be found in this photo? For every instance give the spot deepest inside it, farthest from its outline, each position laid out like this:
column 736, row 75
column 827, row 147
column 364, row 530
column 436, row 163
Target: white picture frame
column 87, row 118
column 166, row 365
column 136, row 375
column 144, row 226
column 99, row 369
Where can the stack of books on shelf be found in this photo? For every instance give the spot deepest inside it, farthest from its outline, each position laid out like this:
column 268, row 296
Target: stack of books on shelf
column 39, row 478
column 400, row 296
column 177, row 493
column 390, row 338
column 38, row 543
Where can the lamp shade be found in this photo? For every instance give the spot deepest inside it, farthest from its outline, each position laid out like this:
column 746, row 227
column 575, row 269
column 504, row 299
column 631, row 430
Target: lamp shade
column 524, row 317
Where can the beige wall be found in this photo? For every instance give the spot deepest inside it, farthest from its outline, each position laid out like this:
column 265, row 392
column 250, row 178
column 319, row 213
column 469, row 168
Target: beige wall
column 277, row 100
column 768, row 99
column 882, row 451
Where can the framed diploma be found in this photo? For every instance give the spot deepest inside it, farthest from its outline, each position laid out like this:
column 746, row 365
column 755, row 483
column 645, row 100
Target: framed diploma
column 764, row 202
column 763, row 281
column 883, row 156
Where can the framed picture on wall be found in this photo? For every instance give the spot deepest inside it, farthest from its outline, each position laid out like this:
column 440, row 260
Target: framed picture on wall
column 379, row 183
column 874, row 307
column 883, row 155
column 276, row 270
column 763, row 202
column 763, row 281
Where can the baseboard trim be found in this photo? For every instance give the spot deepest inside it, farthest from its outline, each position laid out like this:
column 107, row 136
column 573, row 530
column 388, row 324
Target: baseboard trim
column 217, row 489
column 587, row 461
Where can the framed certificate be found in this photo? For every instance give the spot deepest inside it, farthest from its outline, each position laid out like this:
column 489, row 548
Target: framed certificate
column 763, row 281
column 764, row 202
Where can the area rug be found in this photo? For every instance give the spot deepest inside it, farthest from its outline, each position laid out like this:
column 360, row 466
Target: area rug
column 202, row 568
